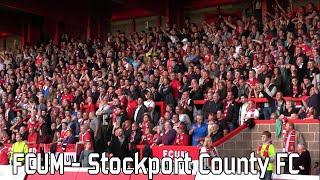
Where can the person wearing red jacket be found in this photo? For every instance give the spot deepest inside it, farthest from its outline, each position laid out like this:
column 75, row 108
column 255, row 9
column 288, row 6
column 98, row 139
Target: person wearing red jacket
column 33, row 136
column 5, row 138
column 4, row 154
column 85, row 134
column 182, row 139
column 123, row 99
column 175, row 85
column 90, row 106
column 132, row 105
column 39, row 60
column 147, row 138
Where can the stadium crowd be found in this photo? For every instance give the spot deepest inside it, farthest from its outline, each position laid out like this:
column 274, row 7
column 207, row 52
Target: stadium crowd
column 105, row 92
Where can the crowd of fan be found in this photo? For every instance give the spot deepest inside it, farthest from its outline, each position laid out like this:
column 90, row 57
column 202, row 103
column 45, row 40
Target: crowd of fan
column 105, row 91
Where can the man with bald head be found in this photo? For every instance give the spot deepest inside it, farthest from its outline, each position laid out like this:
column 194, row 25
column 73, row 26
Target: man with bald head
column 303, row 162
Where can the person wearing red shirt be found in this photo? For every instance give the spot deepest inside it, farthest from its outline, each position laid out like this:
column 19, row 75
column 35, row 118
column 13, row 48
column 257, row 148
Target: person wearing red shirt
column 147, row 138
column 39, row 60
column 33, row 136
column 4, row 154
column 252, row 80
column 5, row 138
column 123, row 99
column 132, row 105
column 85, row 134
column 175, row 85
column 90, row 107
column 67, row 95
column 158, row 136
column 146, row 123
column 63, row 133
column 32, row 123
column 182, row 139
column 207, row 56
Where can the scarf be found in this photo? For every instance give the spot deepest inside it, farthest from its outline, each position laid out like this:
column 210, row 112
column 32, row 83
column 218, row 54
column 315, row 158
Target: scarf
column 289, row 141
column 212, row 152
column 133, row 134
column 226, row 108
column 278, row 128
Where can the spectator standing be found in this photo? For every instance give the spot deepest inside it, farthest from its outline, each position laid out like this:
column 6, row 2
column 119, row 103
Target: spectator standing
column 4, row 154
column 19, row 147
column 212, row 105
column 303, row 162
column 119, row 145
column 199, row 131
column 267, row 150
column 169, row 134
column 182, row 138
column 84, row 156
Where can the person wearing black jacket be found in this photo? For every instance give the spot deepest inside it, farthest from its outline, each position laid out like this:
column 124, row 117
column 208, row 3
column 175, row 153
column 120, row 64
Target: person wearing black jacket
column 278, row 104
column 295, row 89
column 134, row 138
column 301, row 65
column 196, row 92
column 215, row 132
column 139, row 111
column 212, row 105
column 187, row 104
column 44, row 131
column 231, row 111
column 135, row 135
column 166, row 93
column 119, row 145
column 303, row 162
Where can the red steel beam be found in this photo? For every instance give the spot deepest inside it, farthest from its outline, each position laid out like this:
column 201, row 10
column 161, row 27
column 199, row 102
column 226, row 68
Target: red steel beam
column 199, row 4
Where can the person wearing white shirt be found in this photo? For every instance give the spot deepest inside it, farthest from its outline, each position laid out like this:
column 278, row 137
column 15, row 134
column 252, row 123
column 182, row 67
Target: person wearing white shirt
column 185, row 44
column 183, row 117
column 149, row 103
column 243, row 108
column 139, row 111
column 251, row 112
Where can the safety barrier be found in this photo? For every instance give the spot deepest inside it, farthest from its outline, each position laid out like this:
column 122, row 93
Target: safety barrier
column 297, row 100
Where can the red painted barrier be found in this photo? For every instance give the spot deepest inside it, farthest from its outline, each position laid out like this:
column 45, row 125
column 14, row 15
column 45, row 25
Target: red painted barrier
column 176, row 151
column 199, row 102
column 230, row 135
column 297, row 100
column 295, row 121
column 173, row 151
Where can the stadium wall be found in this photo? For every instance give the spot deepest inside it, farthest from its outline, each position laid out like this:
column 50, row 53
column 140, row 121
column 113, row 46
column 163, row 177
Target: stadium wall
column 247, row 140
